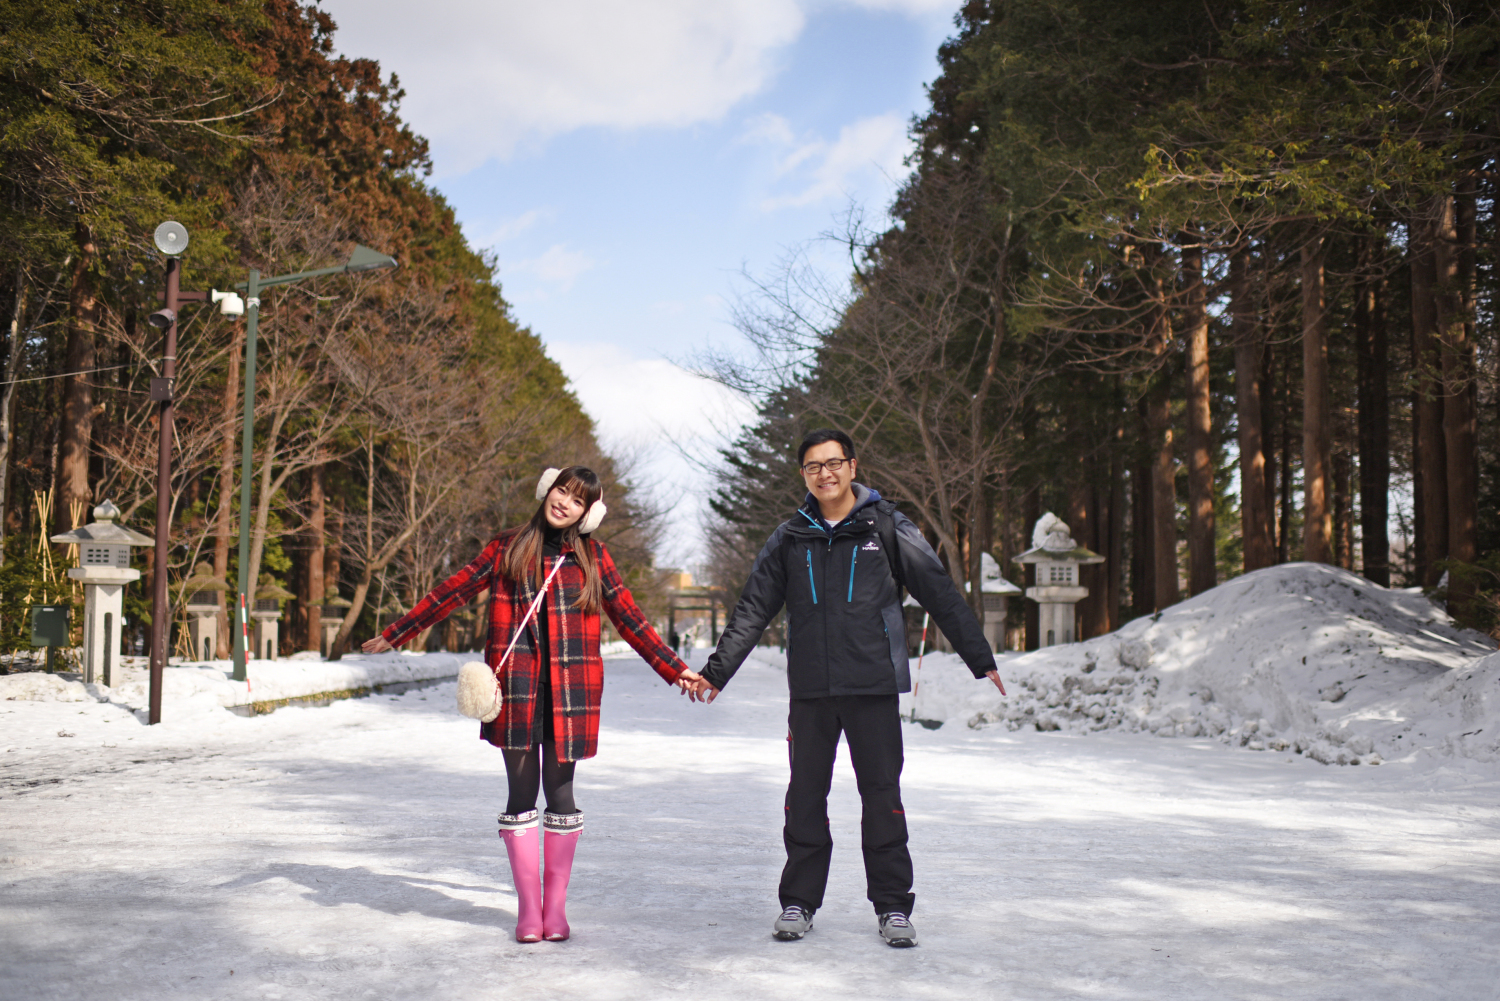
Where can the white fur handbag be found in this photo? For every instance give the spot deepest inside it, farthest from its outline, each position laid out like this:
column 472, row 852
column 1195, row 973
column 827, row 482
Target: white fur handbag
column 479, row 687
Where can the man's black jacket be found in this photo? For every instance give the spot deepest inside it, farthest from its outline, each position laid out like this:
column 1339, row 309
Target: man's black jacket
column 845, row 631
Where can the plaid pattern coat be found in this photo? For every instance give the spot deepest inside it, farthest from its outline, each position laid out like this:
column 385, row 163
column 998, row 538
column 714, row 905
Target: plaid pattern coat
column 576, row 671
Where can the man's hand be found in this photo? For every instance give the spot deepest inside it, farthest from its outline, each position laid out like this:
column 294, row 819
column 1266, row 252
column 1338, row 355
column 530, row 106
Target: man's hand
column 696, row 687
column 995, row 677
column 376, row 645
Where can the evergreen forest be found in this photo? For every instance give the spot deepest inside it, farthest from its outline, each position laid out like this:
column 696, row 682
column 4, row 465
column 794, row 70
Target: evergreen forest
column 1215, row 281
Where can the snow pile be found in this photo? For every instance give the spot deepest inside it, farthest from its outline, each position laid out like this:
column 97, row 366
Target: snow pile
column 208, row 687
column 35, row 686
column 1301, row 657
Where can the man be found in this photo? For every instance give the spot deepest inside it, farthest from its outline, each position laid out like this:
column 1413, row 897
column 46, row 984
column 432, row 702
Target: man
column 846, row 665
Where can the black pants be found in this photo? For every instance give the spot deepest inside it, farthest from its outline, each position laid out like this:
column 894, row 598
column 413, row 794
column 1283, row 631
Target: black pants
column 872, row 726
column 538, row 769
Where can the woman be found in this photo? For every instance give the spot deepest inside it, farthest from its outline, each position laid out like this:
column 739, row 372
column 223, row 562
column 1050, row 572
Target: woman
column 553, row 681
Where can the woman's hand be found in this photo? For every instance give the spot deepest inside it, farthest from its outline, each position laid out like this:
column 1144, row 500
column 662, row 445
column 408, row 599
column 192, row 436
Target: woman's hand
column 376, row 645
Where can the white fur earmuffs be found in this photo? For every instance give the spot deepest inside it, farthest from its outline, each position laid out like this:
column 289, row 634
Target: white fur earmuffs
column 591, row 518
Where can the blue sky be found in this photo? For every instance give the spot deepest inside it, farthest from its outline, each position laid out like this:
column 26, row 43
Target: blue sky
column 626, row 161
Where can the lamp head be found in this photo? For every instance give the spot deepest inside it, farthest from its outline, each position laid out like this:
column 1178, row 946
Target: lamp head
column 365, row 259
column 162, row 318
column 171, row 238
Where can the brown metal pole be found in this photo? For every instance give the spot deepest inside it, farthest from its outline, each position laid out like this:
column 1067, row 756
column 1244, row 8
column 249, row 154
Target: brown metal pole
column 160, row 608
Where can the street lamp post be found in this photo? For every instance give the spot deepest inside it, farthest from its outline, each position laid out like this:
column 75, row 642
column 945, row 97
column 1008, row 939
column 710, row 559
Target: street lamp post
column 363, row 259
column 171, row 239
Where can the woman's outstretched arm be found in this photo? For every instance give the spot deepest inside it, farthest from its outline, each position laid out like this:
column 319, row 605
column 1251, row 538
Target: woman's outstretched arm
column 457, row 590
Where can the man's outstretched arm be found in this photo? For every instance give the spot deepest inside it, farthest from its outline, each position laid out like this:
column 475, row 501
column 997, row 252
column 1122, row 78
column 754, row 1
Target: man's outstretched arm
column 934, row 590
column 761, row 599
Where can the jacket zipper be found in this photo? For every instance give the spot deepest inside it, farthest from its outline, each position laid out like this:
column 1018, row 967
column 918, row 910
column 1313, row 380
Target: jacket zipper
column 810, row 582
column 854, row 558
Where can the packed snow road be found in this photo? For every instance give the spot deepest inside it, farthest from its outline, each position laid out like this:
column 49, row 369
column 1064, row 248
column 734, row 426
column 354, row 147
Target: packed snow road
column 350, row 851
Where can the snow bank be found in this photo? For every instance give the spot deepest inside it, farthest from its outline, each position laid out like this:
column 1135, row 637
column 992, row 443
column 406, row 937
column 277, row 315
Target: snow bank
column 208, row 687
column 1301, row 657
column 36, row 686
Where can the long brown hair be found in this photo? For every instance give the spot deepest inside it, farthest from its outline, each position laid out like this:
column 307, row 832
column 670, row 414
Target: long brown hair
column 523, row 558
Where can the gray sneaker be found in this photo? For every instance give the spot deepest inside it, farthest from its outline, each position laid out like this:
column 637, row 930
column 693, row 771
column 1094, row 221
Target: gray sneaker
column 897, row 930
column 794, row 922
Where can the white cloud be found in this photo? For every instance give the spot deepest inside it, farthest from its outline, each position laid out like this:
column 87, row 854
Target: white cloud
column 640, row 400
column 868, row 150
column 483, row 77
column 512, row 228
column 656, row 410
column 914, row 7
column 557, row 265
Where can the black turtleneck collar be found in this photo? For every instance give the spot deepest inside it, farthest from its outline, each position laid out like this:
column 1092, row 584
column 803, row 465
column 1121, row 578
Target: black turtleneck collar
column 552, row 541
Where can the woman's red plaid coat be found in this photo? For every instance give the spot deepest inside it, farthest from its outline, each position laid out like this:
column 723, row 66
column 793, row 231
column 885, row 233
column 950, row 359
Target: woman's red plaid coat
column 573, row 637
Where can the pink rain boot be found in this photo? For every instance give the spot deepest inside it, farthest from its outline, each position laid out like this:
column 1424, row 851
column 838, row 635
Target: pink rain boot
column 562, row 831
column 519, row 832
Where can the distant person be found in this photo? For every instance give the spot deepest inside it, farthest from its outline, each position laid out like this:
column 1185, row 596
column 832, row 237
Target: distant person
column 553, row 681
column 833, row 568
column 674, row 641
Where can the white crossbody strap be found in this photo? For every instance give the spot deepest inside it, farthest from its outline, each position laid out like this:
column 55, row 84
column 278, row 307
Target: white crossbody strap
column 535, row 604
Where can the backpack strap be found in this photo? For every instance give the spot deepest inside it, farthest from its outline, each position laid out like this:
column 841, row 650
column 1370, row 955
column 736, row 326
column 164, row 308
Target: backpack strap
column 885, row 527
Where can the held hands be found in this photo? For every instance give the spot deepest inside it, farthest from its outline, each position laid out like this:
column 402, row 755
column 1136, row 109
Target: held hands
column 376, row 645
column 696, row 687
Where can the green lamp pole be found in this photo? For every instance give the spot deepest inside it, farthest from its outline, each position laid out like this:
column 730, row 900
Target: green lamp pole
column 363, row 259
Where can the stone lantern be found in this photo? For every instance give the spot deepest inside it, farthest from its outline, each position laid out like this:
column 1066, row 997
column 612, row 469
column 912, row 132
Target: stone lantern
column 267, row 615
column 995, row 591
column 332, row 619
column 104, row 569
column 1057, row 559
column 202, row 590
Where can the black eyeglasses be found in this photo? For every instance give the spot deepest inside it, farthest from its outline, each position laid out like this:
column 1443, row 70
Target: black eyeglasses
column 832, row 465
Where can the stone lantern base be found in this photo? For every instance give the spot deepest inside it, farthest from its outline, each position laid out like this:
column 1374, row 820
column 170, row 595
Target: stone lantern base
column 1056, row 612
column 103, row 618
column 266, row 635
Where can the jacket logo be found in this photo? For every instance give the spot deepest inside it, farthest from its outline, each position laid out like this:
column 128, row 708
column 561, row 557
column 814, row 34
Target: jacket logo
column 871, row 547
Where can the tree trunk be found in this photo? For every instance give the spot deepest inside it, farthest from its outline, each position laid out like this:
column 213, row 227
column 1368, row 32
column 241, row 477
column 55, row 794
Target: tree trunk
column 1115, row 567
column 1453, row 264
column 1249, row 351
column 76, row 430
column 1031, row 512
column 1142, row 516
column 313, row 581
column 1268, row 414
column 1429, row 451
column 1163, row 487
column 224, row 527
column 8, row 400
column 1284, row 523
column 1317, row 473
column 1342, row 469
column 1095, row 617
column 1373, row 354
column 1203, row 571
column 1083, row 520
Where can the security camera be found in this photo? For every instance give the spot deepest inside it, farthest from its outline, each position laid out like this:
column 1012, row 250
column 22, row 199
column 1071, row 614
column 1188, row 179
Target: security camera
column 230, row 303
column 162, row 318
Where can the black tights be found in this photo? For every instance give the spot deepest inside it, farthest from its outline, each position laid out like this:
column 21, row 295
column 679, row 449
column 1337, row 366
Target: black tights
column 526, row 770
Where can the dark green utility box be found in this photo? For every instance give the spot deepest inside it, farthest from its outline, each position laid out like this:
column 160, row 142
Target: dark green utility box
column 49, row 625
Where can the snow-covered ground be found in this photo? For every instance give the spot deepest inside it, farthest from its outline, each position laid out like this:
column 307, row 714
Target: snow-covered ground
column 1301, row 657
column 200, row 687
column 349, row 851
